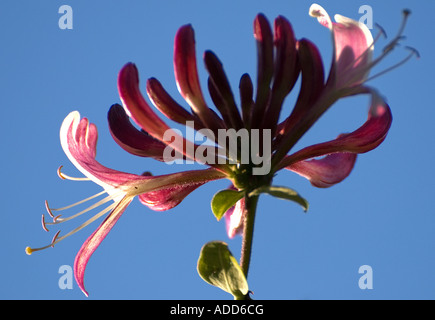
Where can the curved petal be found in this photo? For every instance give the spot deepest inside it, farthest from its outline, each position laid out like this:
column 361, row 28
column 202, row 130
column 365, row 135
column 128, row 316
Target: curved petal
column 92, row 243
column 134, row 102
column 286, row 70
column 312, row 83
column 131, row 139
column 366, row 138
column 165, row 104
column 79, row 140
column 353, row 48
column 246, row 92
column 286, row 65
column 306, row 111
column 143, row 115
column 186, row 76
column 168, row 198
column 221, row 89
column 264, row 37
column 327, row 171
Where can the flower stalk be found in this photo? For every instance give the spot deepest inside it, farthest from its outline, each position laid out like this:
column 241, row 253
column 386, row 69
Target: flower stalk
column 248, row 232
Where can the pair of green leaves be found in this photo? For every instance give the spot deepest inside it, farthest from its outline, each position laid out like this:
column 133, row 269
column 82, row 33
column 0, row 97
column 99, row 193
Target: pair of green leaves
column 225, row 199
column 216, row 265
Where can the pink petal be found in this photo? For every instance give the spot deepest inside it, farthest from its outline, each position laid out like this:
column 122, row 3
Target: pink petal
column 327, row 171
column 366, row 138
column 166, row 105
column 312, row 83
column 286, row 66
column 134, row 102
column 246, row 91
column 79, row 141
column 286, row 70
column 264, row 37
column 186, row 75
column 92, row 243
column 131, row 139
column 306, row 111
column 353, row 48
column 221, row 92
column 168, row 198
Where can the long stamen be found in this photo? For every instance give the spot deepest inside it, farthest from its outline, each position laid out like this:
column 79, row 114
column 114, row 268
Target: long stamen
column 29, row 250
column 406, row 13
column 55, row 239
column 66, row 177
column 387, row 49
column 86, row 223
column 49, row 210
column 95, row 205
column 410, row 55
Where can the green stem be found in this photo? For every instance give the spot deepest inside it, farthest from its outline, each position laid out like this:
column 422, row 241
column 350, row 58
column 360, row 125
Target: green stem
column 248, row 233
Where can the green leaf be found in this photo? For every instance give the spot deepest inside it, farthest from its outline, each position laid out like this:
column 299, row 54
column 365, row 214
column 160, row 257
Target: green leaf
column 218, row 267
column 282, row 193
column 224, row 200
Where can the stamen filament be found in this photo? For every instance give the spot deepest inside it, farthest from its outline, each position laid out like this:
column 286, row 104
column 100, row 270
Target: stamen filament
column 49, row 210
column 55, row 239
column 58, row 220
column 413, row 52
column 387, row 49
column 86, row 223
column 66, row 177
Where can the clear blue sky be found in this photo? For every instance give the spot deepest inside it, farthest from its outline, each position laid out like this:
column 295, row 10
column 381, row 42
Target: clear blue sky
column 382, row 215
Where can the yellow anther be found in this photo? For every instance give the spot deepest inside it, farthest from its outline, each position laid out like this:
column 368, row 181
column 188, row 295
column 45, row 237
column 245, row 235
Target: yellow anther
column 60, row 173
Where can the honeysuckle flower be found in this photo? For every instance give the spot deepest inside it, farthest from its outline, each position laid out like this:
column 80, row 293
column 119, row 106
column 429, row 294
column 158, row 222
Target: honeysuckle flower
column 79, row 142
column 136, row 127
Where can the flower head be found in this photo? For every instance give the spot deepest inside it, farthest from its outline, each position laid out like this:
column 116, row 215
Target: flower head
column 256, row 123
